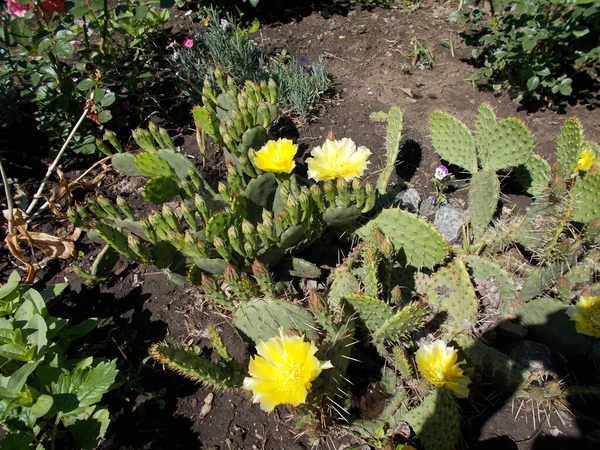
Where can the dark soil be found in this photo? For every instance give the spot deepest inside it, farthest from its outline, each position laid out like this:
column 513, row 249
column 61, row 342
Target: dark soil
column 368, row 55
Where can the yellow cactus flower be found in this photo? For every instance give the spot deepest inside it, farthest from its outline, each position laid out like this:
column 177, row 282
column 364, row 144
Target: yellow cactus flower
column 338, row 159
column 586, row 315
column 282, row 371
column 437, row 363
column 585, row 162
column 276, row 156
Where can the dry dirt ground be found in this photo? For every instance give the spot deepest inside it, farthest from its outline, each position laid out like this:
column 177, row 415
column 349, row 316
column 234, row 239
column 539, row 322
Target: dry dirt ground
column 368, row 53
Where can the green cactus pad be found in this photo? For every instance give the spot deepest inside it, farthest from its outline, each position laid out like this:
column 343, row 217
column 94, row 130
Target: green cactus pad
column 420, row 244
column 587, row 193
column 406, row 321
column 302, row 268
column 163, row 254
column 508, row 144
column 335, row 216
column 541, row 279
column 125, row 163
column 160, row 190
column 492, row 273
column 196, row 367
column 293, row 236
column 211, row 265
column 343, row 283
column 534, row 175
column 254, row 138
column 259, row 193
column 262, row 318
column 207, row 122
column 372, row 311
column 179, row 162
column 453, row 141
column 218, row 225
column 105, row 262
column 547, row 319
column 393, row 138
column 569, row 146
column 436, row 421
column 152, row 165
column 451, row 290
column 226, row 105
column 484, row 193
column 486, row 120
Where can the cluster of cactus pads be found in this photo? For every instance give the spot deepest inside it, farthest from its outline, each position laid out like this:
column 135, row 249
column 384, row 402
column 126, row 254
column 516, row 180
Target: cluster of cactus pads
column 398, row 288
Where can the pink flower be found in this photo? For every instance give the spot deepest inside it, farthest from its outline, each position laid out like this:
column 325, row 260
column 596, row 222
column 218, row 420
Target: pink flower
column 16, row 9
column 188, row 42
column 49, row 6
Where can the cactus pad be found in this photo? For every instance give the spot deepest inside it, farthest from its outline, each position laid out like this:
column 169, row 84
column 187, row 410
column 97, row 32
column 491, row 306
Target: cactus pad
column 587, row 193
column 497, row 280
column 340, row 215
column 195, row 367
column 395, row 124
column 152, row 165
column 372, row 311
column 534, row 175
column 484, row 193
column 421, row 244
column 508, row 144
column 160, row 190
column 569, row 146
column 211, row 265
column 125, row 163
column 453, row 141
column 451, row 290
column 178, row 162
column 436, row 421
column 261, row 319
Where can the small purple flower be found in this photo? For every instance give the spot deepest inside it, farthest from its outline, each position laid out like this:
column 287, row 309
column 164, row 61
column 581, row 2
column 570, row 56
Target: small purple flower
column 441, row 172
column 171, row 45
column 431, row 199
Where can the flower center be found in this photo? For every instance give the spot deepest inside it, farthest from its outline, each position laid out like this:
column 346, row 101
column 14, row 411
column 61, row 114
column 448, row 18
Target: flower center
column 290, row 376
column 593, row 316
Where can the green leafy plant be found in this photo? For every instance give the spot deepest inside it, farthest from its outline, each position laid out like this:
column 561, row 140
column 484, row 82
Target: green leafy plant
column 43, row 392
column 537, row 48
column 90, row 55
column 226, row 47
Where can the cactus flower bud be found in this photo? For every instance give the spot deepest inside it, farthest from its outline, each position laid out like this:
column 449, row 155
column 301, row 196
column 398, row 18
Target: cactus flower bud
column 263, row 115
column 149, row 231
column 209, row 284
column 246, row 166
column 144, row 139
column 195, row 178
column 209, row 92
column 166, row 138
column 315, row 301
column 140, row 250
column 231, row 275
column 557, row 183
column 96, row 210
column 221, row 248
column 371, row 197
column 249, row 232
column 224, row 191
column 305, row 204
column 343, row 193
column 220, row 80
column 232, row 86
column 202, row 207
column 387, row 247
column 317, row 196
column 74, row 218
column 83, row 213
column 125, row 208
column 272, row 91
column 235, row 240
column 111, row 210
column 396, row 295
column 330, row 192
column 250, row 249
column 153, row 129
column 360, row 195
column 111, row 137
column 293, row 208
column 171, row 218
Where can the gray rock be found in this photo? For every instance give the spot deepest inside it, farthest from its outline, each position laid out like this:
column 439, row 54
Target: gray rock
column 533, row 355
column 449, row 221
column 409, row 199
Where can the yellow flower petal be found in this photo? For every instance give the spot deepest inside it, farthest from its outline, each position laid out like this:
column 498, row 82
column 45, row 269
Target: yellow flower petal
column 338, row 159
column 437, row 363
column 283, row 371
column 585, row 162
column 586, row 315
column 276, row 156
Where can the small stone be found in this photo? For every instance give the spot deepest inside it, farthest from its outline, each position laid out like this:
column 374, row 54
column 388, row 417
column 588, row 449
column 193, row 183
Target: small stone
column 409, row 199
column 532, row 355
column 449, row 221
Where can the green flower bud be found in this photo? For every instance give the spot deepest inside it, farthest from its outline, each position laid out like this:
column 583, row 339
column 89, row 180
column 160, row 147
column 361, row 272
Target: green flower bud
column 189, row 216
column 293, row 208
column 111, row 210
column 235, row 240
column 317, row 196
column 343, row 192
column 246, row 166
column 209, row 92
column 272, row 91
column 371, row 197
column 330, row 192
column 171, row 218
column 220, row 80
column 83, row 213
column 221, row 248
column 166, row 139
column 144, row 139
column 104, row 149
column 149, row 231
column 74, row 218
column 202, row 208
column 125, row 208
column 224, row 191
column 111, row 137
column 153, row 129
column 231, row 275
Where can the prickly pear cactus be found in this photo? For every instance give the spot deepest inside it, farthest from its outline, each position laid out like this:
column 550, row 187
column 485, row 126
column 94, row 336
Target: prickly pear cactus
column 419, row 243
column 395, row 125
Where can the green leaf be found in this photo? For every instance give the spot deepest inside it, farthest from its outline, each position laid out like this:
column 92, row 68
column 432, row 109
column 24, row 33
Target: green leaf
column 24, row 313
column 109, row 99
column 83, row 328
column 580, row 31
column 13, row 282
column 16, row 352
column 86, row 84
column 17, row 380
column 37, row 300
column 53, row 291
column 63, row 49
column 88, row 432
column 533, row 83
column 528, row 43
column 104, row 116
column 566, row 89
column 78, row 11
column 42, row 406
column 36, row 334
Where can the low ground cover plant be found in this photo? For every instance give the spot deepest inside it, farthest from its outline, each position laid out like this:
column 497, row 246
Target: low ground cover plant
column 44, row 392
column 537, row 48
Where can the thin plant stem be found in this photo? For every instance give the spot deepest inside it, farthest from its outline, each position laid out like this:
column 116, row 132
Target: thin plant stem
column 9, row 201
column 80, row 177
column 38, row 194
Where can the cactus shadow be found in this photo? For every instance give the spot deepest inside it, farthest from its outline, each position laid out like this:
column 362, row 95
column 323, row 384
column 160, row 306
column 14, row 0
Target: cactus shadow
column 489, row 414
column 412, row 155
